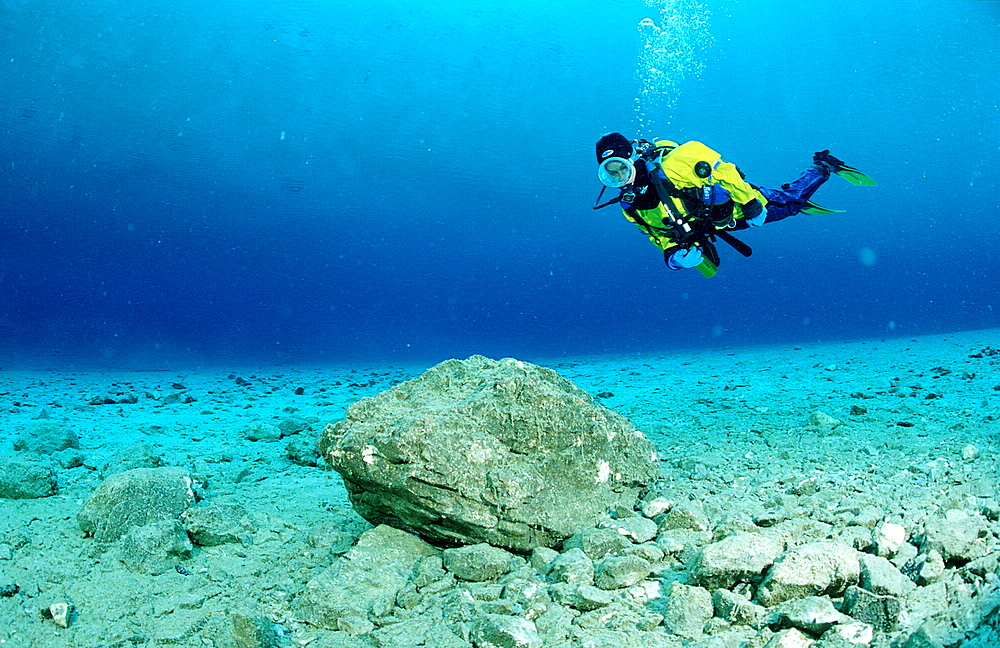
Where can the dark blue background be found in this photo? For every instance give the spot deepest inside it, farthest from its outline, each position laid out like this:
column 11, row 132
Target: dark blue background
column 309, row 181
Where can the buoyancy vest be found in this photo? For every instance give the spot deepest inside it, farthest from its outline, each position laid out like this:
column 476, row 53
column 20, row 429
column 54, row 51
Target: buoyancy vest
column 690, row 169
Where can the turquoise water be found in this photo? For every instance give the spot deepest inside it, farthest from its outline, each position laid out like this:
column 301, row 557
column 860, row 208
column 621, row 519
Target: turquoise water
column 300, row 181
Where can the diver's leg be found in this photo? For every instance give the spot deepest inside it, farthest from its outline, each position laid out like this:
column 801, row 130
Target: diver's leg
column 792, row 197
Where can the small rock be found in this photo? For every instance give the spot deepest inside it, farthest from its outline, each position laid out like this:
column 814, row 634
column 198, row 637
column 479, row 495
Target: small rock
column 496, row 631
column 637, row 529
column 154, row 548
column 597, row 542
column 685, row 516
column 791, row 638
column 813, row 569
column 355, row 625
column 542, row 557
column 139, row 455
column 46, row 438
column 588, row 597
column 218, row 524
column 478, row 562
column 303, row 451
column 22, row 479
column 880, row 576
column 738, row 558
column 261, row 431
column 847, row 635
column 889, row 538
column 657, row 506
column 804, row 487
column 573, row 567
column 737, row 609
column 60, row 609
column 957, row 536
column 822, row 419
column 134, row 498
column 687, row 610
column 970, row 452
column 253, row 631
column 925, row 569
column 812, row 614
column 617, row 572
column 880, row 611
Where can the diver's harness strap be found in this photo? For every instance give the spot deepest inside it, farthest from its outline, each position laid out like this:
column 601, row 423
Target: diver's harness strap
column 610, row 202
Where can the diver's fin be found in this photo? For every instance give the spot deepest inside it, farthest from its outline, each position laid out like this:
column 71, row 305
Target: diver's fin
column 819, row 210
column 855, row 177
column 836, row 165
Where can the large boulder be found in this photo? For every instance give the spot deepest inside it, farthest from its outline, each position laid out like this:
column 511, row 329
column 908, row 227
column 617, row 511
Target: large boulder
column 481, row 450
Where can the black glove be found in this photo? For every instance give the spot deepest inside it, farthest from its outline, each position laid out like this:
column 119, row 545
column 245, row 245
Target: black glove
column 752, row 209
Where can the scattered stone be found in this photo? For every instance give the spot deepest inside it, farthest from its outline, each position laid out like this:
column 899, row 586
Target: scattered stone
column 69, row 458
column 880, row 611
column 134, row 498
column 813, row 614
column 657, row 506
column 813, row 569
column 687, row 610
column 118, row 398
column 139, row 455
column 9, row 589
column 925, row 569
column 637, row 529
column 478, row 562
column 822, row 419
column 46, row 438
column 957, row 536
column 217, row 524
column 495, row 631
column 621, row 615
column 59, row 608
column 847, row 635
column 303, row 451
column 686, row 516
column 541, row 559
column 23, row 479
column 597, row 542
column 790, row 638
column 737, row 609
column 573, row 567
column 503, row 452
column 888, row 539
column 365, row 581
column 880, row 576
column 253, row 631
column 262, row 431
column 970, row 452
column 618, row 572
column 154, row 548
column 588, row 597
column 355, row 626
column 739, row 558
column 292, row 426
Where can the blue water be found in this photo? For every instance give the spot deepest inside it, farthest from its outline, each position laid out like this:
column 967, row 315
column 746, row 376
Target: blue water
column 322, row 180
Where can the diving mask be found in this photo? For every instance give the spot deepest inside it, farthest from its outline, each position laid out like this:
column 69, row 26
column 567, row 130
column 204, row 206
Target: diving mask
column 616, row 172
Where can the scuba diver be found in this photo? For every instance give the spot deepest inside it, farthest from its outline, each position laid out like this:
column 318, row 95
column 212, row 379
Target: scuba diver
column 684, row 196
